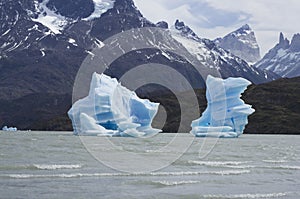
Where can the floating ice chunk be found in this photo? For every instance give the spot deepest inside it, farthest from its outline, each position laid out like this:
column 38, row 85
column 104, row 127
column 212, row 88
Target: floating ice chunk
column 226, row 114
column 112, row 110
column 5, row 128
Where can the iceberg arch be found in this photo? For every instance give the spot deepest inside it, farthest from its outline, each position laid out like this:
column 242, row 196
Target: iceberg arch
column 226, row 114
column 110, row 109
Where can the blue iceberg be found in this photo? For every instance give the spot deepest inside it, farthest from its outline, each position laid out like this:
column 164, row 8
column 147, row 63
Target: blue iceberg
column 112, row 110
column 226, row 114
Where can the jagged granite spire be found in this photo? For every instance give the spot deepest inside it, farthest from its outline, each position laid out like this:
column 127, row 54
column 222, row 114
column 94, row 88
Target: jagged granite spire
column 186, row 30
column 281, row 38
column 284, row 58
column 295, row 43
column 283, row 42
column 242, row 43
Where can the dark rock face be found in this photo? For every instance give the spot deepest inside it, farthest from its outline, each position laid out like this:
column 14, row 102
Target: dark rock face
column 123, row 16
column 75, row 9
column 17, row 31
column 284, row 58
column 33, row 59
column 162, row 24
column 186, row 30
column 284, row 43
column 241, row 43
column 35, row 111
column 295, row 43
column 277, row 106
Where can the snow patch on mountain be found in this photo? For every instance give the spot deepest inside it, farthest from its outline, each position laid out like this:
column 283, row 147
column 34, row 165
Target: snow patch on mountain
column 101, row 6
column 55, row 22
column 72, row 41
column 6, row 32
column 196, row 48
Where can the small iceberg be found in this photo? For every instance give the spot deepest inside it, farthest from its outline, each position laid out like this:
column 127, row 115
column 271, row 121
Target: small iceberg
column 226, row 114
column 110, row 109
column 5, row 128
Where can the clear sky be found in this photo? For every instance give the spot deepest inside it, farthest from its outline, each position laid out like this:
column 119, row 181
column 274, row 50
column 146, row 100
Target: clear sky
column 216, row 18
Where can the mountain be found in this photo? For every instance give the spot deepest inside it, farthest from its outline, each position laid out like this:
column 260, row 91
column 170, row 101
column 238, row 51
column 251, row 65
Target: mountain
column 44, row 42
column 34, row 59
column 242, row 43
column 284, row 58
column 213, row 56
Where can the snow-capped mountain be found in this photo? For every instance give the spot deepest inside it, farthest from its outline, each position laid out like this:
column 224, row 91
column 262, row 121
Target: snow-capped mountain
column 28, row 22
column 284, row 58
column 242, row 43
column 18, row 31
column 50, row 38
column 213, row 56
column 44, row 42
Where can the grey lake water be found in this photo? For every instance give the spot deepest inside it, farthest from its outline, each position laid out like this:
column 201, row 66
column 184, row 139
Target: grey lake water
column 60, row 165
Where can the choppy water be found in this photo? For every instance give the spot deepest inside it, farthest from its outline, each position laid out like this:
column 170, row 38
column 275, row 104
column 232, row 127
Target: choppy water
column 57, row 165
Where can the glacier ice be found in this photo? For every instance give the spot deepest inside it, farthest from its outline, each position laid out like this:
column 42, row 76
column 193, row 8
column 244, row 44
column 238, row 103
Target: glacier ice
column 112, row 110
column 5, row 128
column 49, row 18
column 226, row 114
column 101, row 6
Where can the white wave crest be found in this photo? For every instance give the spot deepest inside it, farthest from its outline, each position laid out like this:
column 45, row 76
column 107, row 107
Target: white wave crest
column 57, row 166
column 288, row 167
column 175, row 183
column 63, row 175
column 248, row 196
column 275, row 161
column 218, row 163
column 76, row 175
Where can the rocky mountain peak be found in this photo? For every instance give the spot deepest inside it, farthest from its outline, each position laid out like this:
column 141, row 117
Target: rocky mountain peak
column 213, row 56
column 283, row 42
column 123, row 16
column 185, row 30
column 295, row 43
column 162, row 24
column 245, row 29
column 242, row 43
column 126, row 6
column 281, row 38
column 284, row 58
